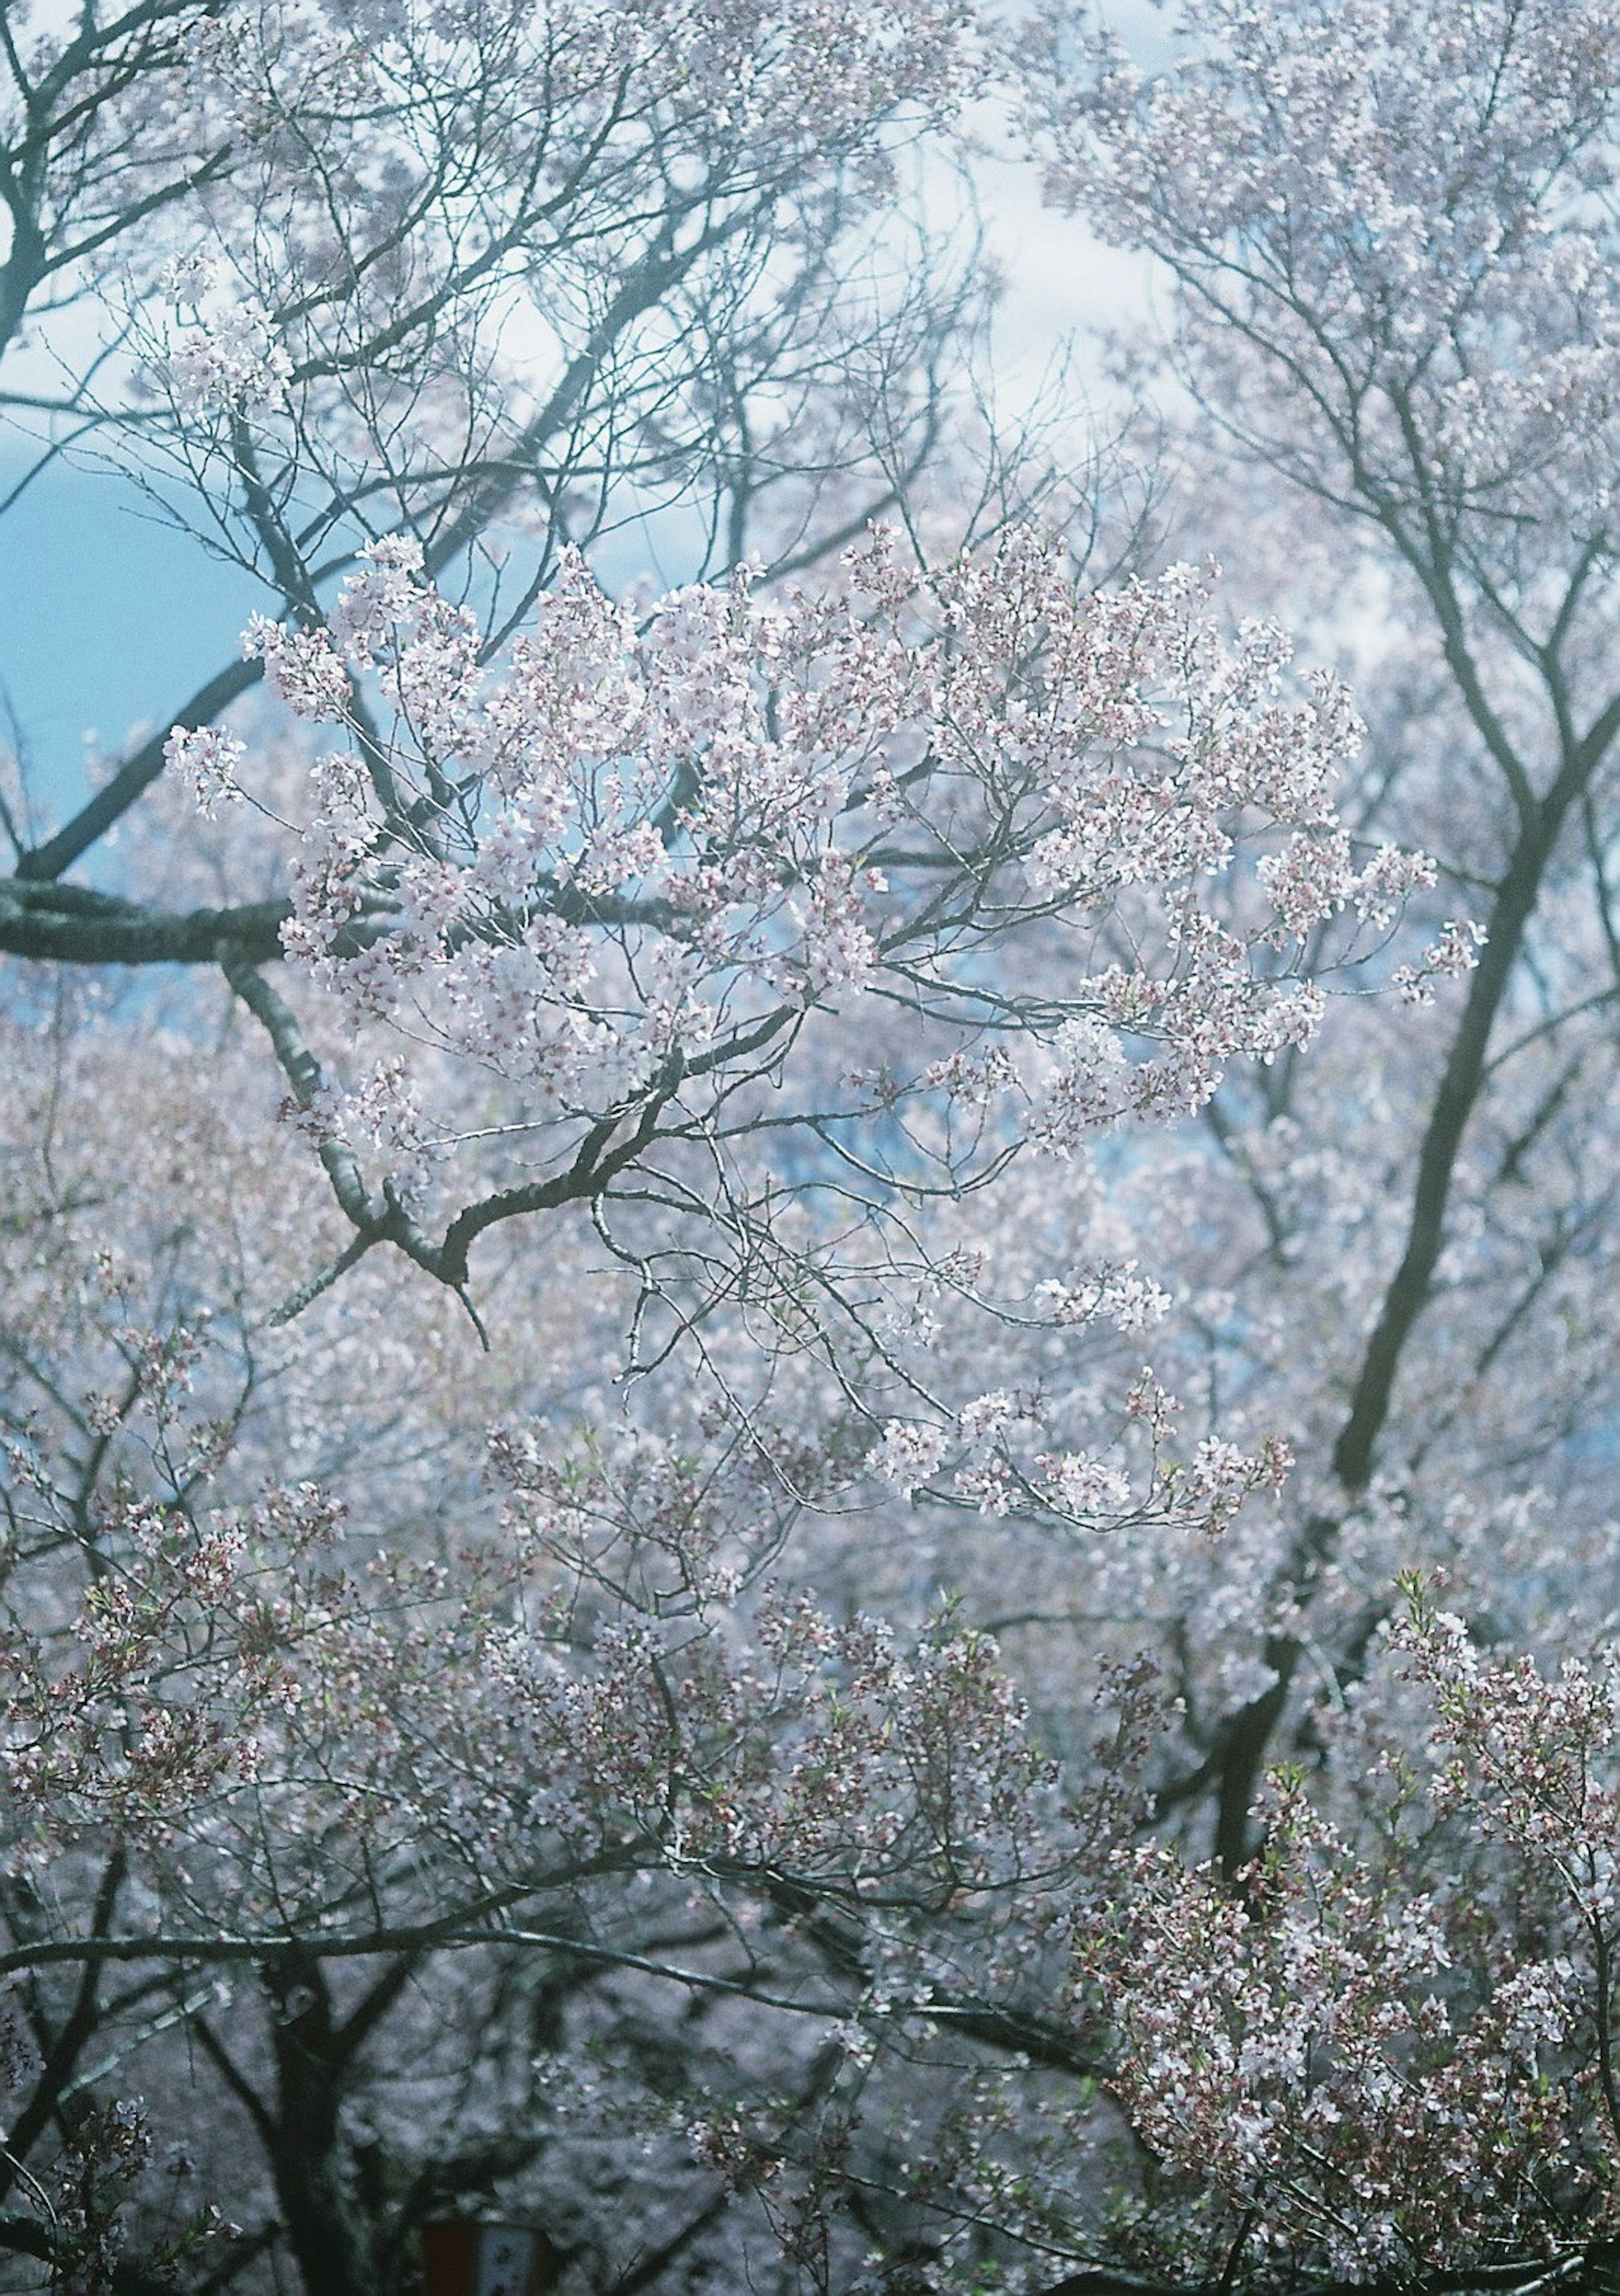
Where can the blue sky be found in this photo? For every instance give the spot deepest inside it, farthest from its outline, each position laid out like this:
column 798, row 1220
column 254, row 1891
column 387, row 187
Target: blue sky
column 106, row 617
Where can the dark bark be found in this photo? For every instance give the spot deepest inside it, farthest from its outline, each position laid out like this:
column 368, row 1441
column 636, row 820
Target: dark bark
column 313, row 2055
column 70, row 924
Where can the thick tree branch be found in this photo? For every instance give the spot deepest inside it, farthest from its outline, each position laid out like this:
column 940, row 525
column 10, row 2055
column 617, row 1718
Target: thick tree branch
column 71, row 924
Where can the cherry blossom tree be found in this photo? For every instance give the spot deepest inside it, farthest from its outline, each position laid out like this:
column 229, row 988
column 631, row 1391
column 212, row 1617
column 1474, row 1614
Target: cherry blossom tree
column 578, row 898
column 603, row 1622
column 1382, row 243
column 600, row 1728
column 1377, row 233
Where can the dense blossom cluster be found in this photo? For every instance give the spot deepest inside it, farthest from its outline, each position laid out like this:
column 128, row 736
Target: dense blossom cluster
column 1311, row 2051
column 636, row 859
column 1455, row 284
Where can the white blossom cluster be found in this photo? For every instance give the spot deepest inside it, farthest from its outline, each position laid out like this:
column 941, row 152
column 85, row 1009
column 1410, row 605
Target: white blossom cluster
column 626, row 860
